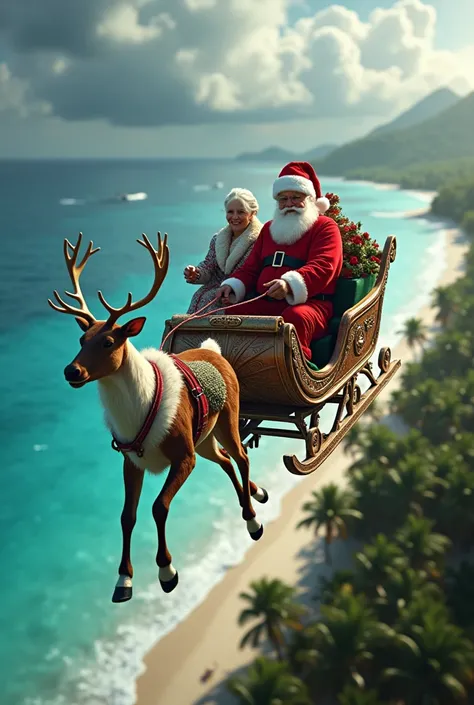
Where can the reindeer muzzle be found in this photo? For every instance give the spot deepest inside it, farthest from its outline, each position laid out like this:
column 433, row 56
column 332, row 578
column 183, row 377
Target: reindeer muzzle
column 75, row 375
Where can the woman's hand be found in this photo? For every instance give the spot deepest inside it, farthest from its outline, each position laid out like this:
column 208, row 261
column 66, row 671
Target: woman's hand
column 191, row 274
column 277, row 289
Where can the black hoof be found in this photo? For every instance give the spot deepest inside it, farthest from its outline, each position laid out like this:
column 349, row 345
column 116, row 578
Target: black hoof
column 257, row 534
column 169, row 585
column 122, row 594
column 265, row 496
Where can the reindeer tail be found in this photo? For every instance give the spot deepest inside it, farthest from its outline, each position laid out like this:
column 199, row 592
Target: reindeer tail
column 211, row 344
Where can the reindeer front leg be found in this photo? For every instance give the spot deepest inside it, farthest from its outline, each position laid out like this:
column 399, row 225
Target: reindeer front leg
column 178, row 474
column 133, row 481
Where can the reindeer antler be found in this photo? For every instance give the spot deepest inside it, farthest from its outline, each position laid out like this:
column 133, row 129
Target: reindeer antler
column 160, row 260
column 75, row 271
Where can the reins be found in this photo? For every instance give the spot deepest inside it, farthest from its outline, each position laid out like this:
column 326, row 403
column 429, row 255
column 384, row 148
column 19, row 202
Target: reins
column 198, row 314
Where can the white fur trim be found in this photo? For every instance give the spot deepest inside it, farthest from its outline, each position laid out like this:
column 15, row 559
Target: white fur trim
column 237, row 286
column 167, row 573
column 253, row 525
column 227, row 259
column 299, row 291
column 127, row 395
column 293, row 183
column 211, row 344
column 124, row 581
column 323, row 204
column 259, row 494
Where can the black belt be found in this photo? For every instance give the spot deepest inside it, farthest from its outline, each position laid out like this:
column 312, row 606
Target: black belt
column 280, row 259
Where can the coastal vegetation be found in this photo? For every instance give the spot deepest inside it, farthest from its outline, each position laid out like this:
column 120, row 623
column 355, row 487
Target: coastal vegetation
column 397, row 625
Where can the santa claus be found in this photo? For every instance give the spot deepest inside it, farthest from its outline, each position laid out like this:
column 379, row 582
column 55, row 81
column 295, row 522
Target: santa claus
column 296, row 259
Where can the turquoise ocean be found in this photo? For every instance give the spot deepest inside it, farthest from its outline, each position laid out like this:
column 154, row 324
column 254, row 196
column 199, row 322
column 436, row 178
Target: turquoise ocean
column 63, row 641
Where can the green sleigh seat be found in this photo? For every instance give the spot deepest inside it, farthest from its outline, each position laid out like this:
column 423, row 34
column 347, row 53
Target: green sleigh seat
column 348, row 293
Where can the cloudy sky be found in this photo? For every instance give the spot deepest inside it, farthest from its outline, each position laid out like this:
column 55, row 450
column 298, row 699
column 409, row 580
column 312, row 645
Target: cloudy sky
column 216, row 77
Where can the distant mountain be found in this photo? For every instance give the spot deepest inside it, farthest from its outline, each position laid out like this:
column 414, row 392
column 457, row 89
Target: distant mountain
column 270, row 154
column 446, row 136
column 276, row 154
column 428, row 107
column 319, row 152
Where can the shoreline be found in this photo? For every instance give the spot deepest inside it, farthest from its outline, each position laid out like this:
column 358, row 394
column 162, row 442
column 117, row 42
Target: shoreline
column 210, row 635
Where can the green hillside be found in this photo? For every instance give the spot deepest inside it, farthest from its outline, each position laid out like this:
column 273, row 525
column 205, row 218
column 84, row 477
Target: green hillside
column 446, row 136
column 427, row 175
column 428, row 107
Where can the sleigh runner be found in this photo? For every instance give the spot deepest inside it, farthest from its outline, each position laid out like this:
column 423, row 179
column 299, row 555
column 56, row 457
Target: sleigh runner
column 278, row 384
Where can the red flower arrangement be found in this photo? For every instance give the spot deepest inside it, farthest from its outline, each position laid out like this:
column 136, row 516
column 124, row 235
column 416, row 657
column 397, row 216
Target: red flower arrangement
column 361, row 254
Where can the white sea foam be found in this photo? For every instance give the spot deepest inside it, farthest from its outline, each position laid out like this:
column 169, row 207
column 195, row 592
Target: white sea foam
column 117, row 663
column 71, row 201
column 421, row 288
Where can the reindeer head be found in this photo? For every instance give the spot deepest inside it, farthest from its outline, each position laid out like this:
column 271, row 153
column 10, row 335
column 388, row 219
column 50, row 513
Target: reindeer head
column 103, row 348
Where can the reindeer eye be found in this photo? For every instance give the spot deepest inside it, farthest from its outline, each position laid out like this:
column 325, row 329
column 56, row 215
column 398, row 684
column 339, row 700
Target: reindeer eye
column 108, row 342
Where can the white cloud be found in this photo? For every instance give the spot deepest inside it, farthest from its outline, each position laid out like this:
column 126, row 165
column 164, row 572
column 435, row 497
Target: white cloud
column 14, row 96
column 151, row 62
column 122, row 24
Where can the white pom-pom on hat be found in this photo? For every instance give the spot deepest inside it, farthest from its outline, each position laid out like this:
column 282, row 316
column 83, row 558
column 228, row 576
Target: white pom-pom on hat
column 323, row 204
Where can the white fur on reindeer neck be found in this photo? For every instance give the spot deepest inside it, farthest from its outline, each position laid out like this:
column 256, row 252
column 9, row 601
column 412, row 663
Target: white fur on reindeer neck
column 128, row 394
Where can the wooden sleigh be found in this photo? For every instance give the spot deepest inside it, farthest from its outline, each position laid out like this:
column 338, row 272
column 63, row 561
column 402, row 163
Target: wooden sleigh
column 278, row 385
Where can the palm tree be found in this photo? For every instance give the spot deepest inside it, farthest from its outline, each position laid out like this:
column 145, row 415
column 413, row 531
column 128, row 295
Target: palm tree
column 446, row 300
column 272, row 602
column 416, row 484
column 268, row 683
column 339, row 649
column 423, row 548
column 377, row 563
column 379, row 444
column 415, row 333
column 329, row 588
column 401, row 589
column 353, row 440
column 329, row 507
column 459, row 595
column 435, row 661
column 351, row 695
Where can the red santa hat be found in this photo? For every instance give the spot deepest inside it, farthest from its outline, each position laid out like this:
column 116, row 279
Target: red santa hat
column 301, row 177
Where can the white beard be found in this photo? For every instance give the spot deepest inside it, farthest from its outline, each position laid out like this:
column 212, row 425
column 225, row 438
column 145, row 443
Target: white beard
column 287, row 227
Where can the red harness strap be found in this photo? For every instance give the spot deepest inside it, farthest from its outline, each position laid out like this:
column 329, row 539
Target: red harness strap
column 196, row 391
column 137, row 443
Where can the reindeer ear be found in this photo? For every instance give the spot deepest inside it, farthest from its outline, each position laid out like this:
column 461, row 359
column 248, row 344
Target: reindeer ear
column 133, row 327
column 83, row 324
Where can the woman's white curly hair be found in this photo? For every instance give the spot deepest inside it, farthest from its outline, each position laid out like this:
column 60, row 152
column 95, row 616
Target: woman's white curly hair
column 246, row 198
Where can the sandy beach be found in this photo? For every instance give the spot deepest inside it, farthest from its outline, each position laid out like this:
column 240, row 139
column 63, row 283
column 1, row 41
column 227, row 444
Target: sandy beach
column 209, row 637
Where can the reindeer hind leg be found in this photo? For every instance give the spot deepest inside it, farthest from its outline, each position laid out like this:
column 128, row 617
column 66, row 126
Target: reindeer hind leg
column 227, row 433
column 209, row 450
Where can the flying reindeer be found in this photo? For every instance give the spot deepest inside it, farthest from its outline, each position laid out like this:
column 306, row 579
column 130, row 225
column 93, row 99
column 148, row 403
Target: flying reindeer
column 156, row 408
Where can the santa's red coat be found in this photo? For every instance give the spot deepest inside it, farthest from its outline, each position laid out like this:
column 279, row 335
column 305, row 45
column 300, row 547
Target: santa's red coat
column 320, row 248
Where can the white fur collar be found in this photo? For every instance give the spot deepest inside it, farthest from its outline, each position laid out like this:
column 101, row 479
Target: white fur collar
column 126, row 395
column 226, row 260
